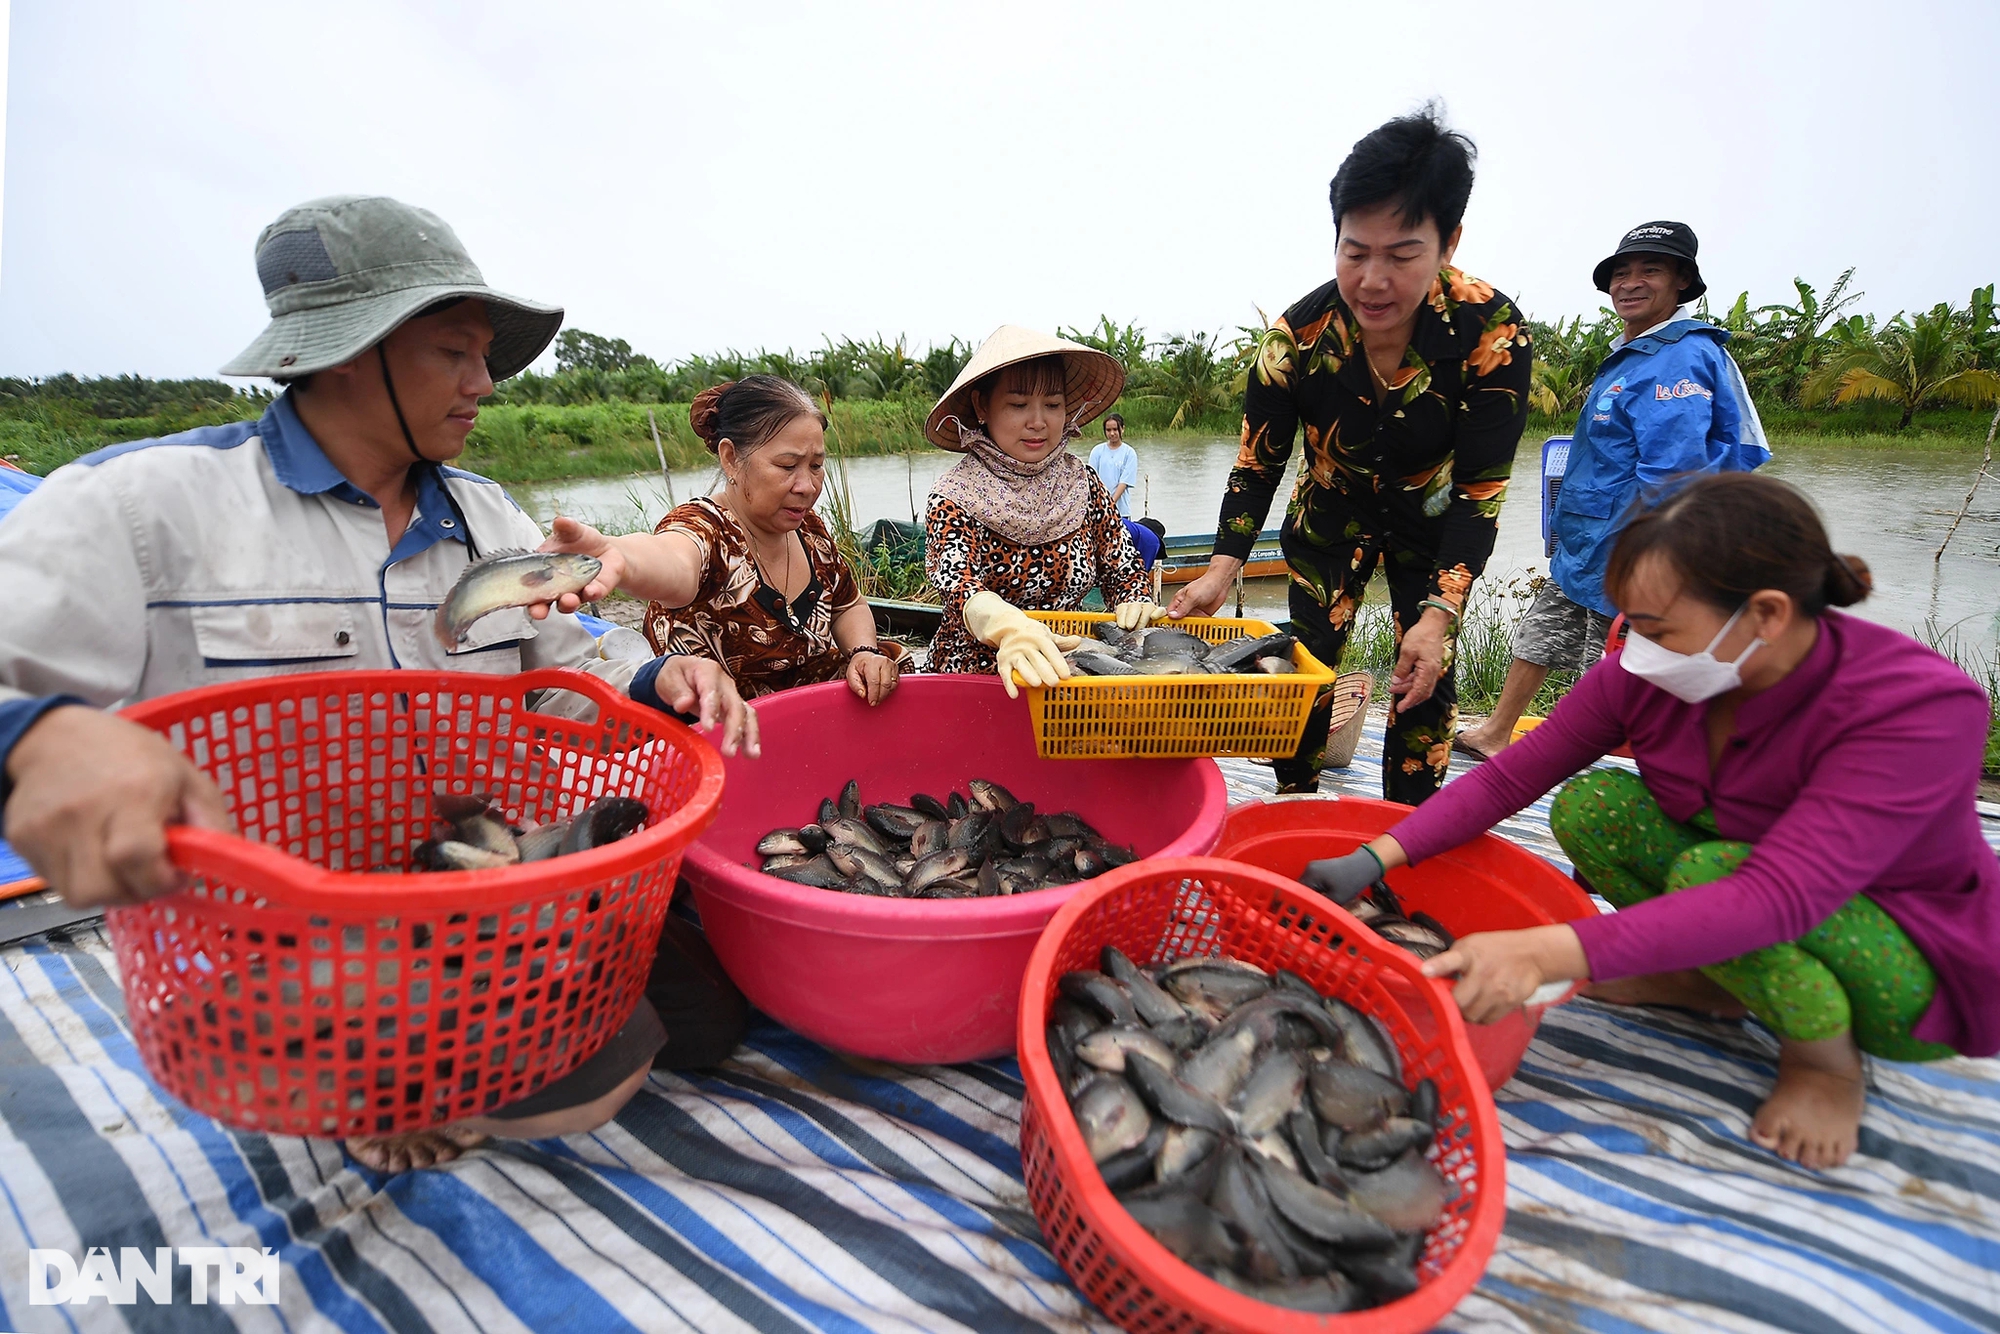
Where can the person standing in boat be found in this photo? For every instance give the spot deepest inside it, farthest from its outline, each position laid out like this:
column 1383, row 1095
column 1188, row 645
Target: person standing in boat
column 1116, row 464
column 1410, row 378
column 752, row 578
column 1021, row 523
column 1668, row 400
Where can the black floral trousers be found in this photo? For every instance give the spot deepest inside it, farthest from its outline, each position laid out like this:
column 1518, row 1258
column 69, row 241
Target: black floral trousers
column 1327, row 586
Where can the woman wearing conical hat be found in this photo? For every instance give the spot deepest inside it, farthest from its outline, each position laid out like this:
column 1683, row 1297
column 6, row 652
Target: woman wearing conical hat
column 1021, row 524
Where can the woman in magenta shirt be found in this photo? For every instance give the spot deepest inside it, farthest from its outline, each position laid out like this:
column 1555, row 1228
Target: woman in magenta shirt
column 1801, row 841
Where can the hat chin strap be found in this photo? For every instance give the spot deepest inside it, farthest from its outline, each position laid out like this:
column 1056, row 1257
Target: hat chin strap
column 465, row 527
column 389, row 384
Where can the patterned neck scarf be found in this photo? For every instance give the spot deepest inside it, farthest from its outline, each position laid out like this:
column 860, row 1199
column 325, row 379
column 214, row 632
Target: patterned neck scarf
column 1029, row 504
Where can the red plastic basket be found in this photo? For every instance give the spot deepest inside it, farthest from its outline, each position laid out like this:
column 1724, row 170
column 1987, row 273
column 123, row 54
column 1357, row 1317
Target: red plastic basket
column 288, row 990
column 1484, row 884
column 1170, row 908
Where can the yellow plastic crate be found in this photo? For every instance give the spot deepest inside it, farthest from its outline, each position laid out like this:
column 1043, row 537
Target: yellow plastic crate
column 1172, row 717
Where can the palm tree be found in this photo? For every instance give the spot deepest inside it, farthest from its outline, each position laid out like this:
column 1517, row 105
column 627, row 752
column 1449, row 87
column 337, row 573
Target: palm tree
column 1914, row 362
column 1189, row 375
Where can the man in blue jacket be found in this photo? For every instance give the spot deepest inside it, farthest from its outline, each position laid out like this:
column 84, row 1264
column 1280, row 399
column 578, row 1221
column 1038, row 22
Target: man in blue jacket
column 1667, row 401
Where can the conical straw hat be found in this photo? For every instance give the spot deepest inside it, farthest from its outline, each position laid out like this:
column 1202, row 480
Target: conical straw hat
column 1090, row 378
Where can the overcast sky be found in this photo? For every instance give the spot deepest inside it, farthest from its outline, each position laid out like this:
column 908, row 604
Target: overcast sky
column 693, row 177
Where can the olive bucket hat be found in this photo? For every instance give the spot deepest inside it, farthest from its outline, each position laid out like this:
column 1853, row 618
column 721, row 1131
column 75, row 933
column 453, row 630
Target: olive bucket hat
column 1092, row 380
column 341, row 273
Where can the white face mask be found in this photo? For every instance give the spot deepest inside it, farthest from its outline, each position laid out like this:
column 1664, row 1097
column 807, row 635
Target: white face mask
column 1692, row 677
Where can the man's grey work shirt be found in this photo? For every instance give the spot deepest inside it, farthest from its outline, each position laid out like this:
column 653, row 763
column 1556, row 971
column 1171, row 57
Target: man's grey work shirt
column 241, row 551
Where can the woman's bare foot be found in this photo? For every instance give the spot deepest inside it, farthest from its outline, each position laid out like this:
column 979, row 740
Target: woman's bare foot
column 1813, row 1115
column 414, row 1148
column 1689, row 989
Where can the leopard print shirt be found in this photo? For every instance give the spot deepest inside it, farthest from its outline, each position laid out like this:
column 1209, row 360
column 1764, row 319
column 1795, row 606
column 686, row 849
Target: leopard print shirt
column 965, row 557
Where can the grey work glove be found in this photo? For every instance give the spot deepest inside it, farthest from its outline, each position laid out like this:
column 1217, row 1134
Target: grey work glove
column 1343, row 879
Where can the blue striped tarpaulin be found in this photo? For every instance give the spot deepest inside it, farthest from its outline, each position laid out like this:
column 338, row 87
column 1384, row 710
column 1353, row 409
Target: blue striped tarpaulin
column 793, row 1189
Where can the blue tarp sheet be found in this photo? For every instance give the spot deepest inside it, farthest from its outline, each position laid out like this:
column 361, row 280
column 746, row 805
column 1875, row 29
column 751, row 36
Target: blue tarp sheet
column 13, row 485
column 793, row 1189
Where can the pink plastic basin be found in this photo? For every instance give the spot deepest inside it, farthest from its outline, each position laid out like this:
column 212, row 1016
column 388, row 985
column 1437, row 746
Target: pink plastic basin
column 912, row 980
column 1488, row 884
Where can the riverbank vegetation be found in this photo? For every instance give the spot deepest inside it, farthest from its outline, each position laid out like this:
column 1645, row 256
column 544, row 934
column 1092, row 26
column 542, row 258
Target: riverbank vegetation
column 1817, row 370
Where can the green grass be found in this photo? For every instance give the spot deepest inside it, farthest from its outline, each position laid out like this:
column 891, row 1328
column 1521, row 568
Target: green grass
column 1485, row 645
column 1983, row 666
column 41, row 436
column 511, row 444
column 537, row 443
column 1864, row 425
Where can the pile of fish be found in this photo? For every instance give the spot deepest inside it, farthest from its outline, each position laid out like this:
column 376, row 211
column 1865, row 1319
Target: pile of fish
column 1261, row 1132
column 1158, row 650
column 1378, row 908
column 473, row 833
column 964, row 847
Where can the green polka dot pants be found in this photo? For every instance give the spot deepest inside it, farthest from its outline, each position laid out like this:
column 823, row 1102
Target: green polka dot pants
column 1856, row 970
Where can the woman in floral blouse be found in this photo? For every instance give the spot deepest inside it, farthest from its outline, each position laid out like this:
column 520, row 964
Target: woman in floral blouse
column 1411, row 380
column 751, row 578
column 1021, row 522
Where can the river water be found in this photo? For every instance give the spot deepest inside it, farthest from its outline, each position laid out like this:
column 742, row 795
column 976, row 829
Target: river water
column 1889, row 507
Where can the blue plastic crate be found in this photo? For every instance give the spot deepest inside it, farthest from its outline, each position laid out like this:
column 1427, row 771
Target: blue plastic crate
column 1555, row 462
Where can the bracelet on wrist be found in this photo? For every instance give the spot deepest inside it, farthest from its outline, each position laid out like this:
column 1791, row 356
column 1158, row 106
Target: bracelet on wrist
column 859, row 649
column 1441, row 605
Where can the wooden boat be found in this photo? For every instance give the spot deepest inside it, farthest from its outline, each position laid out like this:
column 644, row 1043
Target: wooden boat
column 1182, row 560
column 1185, row 557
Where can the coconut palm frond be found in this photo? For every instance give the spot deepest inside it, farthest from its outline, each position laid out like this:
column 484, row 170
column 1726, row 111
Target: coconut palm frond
column 1972, row 389
column 1857, row 383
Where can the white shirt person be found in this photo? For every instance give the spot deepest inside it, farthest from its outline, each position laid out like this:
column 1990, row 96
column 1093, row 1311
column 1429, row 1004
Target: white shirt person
column 1116, row 464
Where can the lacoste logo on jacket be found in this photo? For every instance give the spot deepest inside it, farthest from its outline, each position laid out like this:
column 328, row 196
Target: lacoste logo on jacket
column 1680, row 389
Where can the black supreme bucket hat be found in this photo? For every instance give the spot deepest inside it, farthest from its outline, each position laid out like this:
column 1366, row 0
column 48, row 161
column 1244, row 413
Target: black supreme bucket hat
column 1674, row 239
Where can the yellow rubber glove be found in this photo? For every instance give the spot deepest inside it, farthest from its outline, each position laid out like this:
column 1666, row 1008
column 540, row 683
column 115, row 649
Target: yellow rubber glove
column 1132, row 615
column 1019, row 643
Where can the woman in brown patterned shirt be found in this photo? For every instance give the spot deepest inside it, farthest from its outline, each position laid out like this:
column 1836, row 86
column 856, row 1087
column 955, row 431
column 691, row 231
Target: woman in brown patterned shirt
column 1021, row 522
column 751, row 578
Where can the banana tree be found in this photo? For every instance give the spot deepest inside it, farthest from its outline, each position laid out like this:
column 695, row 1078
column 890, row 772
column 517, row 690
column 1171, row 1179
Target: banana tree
column 1126, row 342
column 1780, row 347
column 1982, row 327
column 1912, row 362
column 1567, row 355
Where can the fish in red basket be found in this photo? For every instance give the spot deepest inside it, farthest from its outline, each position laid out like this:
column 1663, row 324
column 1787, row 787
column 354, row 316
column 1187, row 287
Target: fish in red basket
column 1260, row 1131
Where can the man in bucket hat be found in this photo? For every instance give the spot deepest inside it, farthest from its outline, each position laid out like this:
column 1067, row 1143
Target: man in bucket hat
column 321, row 536
column 1668, row 400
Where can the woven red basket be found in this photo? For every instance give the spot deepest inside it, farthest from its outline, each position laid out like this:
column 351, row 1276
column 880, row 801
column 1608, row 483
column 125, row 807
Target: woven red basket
column 288, row 990
column 1166, row 909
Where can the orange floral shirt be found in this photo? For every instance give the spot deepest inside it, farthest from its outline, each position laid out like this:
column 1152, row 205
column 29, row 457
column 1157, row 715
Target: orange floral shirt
column 1424, row 469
